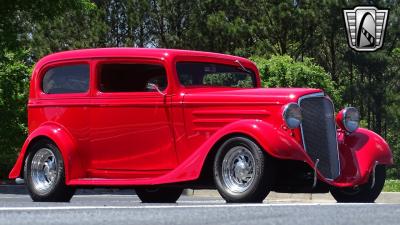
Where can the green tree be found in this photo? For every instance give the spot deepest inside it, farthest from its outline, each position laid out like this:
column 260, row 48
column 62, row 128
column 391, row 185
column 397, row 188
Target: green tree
column 295, row 43
column 74, row 28
column 14, row 76
column 284, row 71
column 18, row 20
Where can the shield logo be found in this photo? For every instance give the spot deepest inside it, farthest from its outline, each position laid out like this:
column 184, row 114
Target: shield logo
column 365, row 26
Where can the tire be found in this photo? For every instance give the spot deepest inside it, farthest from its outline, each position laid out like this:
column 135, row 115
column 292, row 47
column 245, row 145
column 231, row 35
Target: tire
column 364, row 192
column 251, row 172
column 159, row 195
column 45, row 175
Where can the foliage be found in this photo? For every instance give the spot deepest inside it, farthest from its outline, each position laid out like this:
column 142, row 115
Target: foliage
column 14, row 76
column 294, row 43
column 228, row 80
column 283, row 71
column 82, row 25
column 392, row 186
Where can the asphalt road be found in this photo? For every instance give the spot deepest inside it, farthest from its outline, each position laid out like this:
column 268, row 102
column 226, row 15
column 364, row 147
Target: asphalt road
column 126, row 209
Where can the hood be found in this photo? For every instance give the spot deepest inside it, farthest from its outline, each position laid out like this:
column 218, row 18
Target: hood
column 248, row 95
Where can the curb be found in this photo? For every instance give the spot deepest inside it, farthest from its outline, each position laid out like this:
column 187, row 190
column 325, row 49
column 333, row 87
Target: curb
column 384, row 197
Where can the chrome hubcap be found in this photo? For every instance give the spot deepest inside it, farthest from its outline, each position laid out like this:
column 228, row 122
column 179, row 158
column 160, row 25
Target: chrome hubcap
column 44, row 170
column 238, row 169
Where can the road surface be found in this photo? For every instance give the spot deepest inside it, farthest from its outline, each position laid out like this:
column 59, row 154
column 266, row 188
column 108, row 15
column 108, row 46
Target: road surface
column 125, row 209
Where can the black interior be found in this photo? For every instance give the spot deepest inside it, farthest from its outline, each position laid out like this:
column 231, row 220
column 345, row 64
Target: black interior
column 131, row 77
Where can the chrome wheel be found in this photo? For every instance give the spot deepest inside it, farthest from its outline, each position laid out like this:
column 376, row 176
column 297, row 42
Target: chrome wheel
column 44, row 170
column 238, row 169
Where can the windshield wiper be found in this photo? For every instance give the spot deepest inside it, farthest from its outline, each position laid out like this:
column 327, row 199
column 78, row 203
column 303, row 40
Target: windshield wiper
column 241, row 66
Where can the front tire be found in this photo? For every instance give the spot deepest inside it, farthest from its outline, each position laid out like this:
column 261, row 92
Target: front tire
column 45, row 175
column 364, row 192
column 243, row 172
column 159, row 195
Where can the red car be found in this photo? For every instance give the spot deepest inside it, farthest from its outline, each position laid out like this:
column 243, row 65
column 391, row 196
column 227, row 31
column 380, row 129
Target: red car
column 162, row 120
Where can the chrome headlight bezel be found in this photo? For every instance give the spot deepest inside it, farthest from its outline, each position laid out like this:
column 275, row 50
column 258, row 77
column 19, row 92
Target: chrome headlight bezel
column 292, row 115
column 350, row 119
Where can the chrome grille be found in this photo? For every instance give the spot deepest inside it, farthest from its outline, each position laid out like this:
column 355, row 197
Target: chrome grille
column 319, row 133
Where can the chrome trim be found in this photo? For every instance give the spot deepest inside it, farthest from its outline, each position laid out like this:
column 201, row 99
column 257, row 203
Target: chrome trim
column 315, row 174
column 284, row 112
column 44, row 171
column 241, row 65
column 19, row 180
column 373, row 174
column 238, row 169
column 344, row 119
column 319, row 95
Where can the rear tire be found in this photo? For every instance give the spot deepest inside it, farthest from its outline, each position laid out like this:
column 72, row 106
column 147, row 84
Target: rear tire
column 159, row 195
column 44, row 174
column 364, row 192
column 243, row 172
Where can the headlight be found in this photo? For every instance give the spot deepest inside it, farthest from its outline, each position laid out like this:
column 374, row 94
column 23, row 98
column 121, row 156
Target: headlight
column 292, row 115
column 348, row 119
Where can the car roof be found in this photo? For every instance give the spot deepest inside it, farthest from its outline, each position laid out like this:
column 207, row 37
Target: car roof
column 129, row 52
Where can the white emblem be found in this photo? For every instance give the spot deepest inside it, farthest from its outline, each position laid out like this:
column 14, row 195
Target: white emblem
column 365, row 26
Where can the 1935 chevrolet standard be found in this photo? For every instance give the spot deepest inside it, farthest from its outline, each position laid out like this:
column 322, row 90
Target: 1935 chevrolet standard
column 161, row 120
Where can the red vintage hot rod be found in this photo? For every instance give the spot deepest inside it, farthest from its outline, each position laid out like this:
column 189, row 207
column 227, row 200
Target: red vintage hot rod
column 161, row 120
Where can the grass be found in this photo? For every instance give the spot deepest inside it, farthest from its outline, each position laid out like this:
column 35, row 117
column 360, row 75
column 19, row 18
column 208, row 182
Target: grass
column 392, row 186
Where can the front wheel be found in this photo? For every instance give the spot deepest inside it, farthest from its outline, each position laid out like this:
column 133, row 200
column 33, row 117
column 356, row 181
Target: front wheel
column 243, row 172
column 159, row 195
column 45, row 174
column 362, row 193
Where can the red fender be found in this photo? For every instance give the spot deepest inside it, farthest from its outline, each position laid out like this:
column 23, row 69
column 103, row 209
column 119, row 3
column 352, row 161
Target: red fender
column 64, row 141
column 276, row 142
column 360, row 150
column 367, row 148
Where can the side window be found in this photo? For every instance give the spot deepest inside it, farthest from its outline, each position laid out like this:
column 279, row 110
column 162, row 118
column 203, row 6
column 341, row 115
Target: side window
column 131, row 77
column 197, row 74
column 66, row 79
column 228, row 80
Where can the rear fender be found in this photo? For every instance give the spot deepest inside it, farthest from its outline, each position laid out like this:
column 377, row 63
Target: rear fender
column 64, row 141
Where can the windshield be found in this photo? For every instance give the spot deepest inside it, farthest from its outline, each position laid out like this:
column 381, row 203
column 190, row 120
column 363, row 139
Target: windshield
column 195, row 74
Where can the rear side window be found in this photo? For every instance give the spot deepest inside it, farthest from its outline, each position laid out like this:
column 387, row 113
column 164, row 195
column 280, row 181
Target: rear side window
column 66, row 79
column 131, row 77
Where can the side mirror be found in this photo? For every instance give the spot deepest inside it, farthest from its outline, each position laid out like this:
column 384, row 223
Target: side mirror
column 154, row 87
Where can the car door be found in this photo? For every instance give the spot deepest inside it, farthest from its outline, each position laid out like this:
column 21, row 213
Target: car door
column 131, row 132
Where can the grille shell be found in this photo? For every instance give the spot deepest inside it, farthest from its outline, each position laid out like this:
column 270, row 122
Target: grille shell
column 318, row 131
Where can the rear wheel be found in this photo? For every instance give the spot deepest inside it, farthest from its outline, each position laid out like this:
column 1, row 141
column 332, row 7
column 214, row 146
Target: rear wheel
column 45, row 175
column 159, row 195
column 362, row 193
column 242, row 171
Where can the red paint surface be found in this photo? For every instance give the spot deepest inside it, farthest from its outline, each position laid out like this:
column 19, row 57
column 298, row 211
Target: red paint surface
column 146, row 138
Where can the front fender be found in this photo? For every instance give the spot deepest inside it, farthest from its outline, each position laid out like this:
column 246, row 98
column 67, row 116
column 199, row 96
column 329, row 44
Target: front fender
column 274, row 141
column 64, row 141
column 360, row 150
